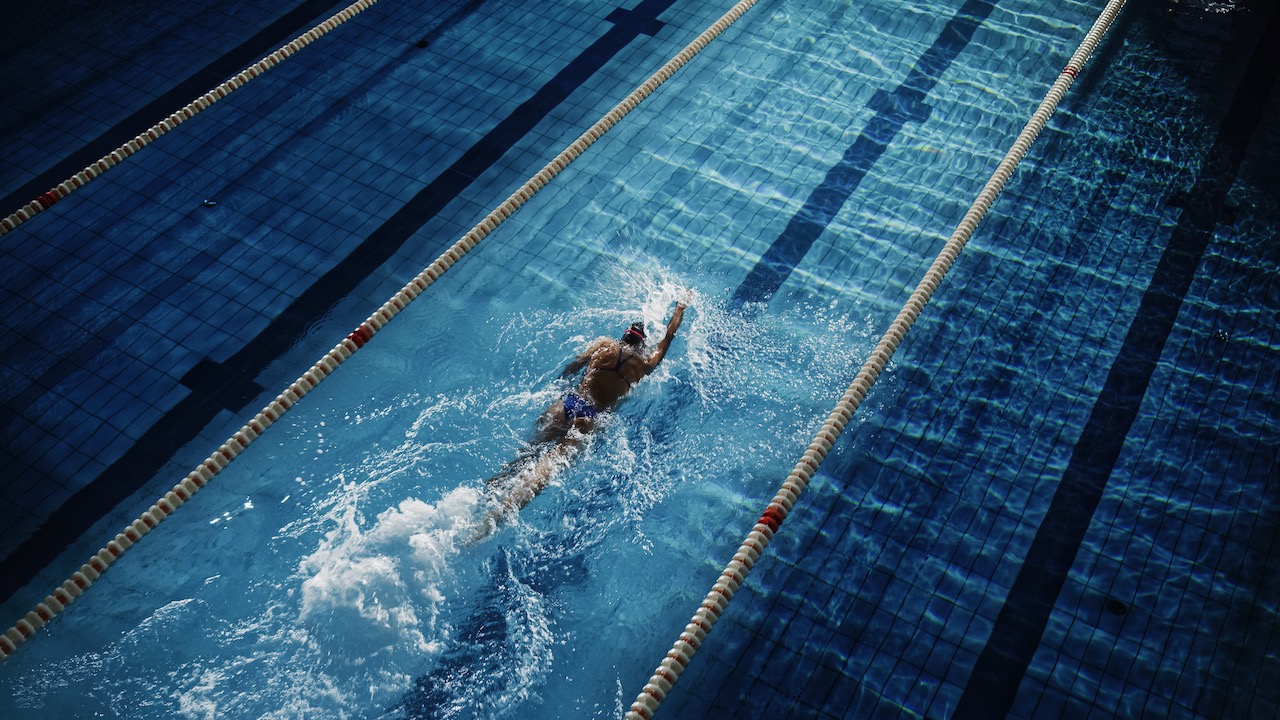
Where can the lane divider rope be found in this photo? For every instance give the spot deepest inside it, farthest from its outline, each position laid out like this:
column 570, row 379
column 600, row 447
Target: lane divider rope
column 80, row 581
column 190, row 110
column 735, row 573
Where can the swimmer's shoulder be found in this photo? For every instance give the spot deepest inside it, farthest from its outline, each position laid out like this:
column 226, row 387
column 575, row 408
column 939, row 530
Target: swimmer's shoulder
column 600, row 350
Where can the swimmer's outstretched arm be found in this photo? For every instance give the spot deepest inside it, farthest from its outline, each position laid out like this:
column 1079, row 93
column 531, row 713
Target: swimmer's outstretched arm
column 672, row 326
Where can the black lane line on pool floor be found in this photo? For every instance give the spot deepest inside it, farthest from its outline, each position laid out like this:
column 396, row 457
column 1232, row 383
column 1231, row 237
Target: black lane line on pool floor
column 265, row 41
column 1022, row 620
column 213, row 384
column 893, row 110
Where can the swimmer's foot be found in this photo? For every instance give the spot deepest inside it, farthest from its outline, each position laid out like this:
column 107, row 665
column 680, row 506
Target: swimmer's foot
column 493, row 517
column 485, row 527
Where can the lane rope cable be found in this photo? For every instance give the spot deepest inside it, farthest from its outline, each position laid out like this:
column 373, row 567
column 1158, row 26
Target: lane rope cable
column 97, row 564
column 190, row 110
column 735, row 573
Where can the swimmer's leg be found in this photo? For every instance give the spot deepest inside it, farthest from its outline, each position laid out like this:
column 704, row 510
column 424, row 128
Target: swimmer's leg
column 526, row 455
column 552, row 424
column 528, row 482
column 535, row 479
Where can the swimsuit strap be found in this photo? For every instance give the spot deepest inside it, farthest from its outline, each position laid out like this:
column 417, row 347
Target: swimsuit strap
column 623, row 359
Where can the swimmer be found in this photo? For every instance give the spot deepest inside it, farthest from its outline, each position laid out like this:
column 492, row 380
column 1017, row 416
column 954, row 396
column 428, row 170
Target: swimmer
column 612, row 368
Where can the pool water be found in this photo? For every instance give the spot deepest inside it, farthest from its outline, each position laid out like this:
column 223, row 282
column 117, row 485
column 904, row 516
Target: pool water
column 328, row 572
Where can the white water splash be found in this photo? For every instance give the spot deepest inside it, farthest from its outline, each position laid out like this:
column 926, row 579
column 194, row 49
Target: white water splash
column 382, row 588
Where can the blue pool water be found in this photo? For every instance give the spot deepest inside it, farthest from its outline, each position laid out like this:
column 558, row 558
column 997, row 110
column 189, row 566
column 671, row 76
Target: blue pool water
column 1056, row 503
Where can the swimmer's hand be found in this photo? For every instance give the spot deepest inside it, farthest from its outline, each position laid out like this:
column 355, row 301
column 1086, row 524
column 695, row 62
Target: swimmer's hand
column 685, row 299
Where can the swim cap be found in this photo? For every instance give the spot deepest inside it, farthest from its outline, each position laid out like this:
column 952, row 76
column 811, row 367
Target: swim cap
column 634, row 334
